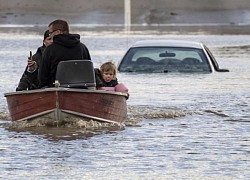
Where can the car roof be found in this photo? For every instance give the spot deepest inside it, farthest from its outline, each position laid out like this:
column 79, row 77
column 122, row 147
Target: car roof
column 168, row 43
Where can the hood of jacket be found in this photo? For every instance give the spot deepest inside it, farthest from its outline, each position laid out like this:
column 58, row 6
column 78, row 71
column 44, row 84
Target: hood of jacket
column 67, row 40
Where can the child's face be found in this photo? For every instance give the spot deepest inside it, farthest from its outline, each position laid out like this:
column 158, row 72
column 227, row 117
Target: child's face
column 108, row 76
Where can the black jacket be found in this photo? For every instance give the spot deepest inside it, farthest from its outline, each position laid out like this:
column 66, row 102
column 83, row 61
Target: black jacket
column 100, row 81
column 38, row 58
column 38, row 55
column 64, row 47
column 30, row 80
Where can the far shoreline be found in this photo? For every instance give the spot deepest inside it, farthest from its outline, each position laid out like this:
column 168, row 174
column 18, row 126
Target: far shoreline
column 134, row 29
column 164, row 17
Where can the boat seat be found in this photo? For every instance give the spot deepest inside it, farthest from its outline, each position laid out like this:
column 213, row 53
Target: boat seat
column 76, row 74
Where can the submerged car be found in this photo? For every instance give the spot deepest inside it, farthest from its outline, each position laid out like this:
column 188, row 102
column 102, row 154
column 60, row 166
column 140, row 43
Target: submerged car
column 163, row 56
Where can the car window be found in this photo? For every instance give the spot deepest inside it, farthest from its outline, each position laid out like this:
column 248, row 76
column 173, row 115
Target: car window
column 164, row 59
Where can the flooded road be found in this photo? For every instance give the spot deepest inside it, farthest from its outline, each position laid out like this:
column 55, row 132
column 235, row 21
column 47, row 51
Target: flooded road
column 180, row 126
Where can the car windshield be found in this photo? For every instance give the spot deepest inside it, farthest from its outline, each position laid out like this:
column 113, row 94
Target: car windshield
column 164, row 59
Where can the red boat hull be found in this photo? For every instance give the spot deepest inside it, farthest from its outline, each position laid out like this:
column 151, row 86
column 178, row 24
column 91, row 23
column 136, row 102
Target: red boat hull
column 60, row 102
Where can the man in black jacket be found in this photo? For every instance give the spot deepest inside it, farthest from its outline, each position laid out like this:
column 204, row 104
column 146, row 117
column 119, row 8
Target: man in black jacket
column 65, row 47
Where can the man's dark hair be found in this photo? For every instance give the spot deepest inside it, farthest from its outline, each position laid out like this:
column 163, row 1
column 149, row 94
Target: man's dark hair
column 60, row 25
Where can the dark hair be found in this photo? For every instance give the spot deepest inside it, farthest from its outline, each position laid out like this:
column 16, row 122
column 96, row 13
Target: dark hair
column 60, row 25
column 46, row 34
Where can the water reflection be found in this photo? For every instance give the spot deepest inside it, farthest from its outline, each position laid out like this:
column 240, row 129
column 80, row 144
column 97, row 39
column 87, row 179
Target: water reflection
column 64, row 133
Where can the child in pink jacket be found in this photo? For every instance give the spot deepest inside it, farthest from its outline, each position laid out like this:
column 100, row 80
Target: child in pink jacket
column 106, row 78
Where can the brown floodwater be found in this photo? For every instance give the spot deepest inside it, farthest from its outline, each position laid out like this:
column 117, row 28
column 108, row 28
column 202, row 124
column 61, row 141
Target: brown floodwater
column 180, row 126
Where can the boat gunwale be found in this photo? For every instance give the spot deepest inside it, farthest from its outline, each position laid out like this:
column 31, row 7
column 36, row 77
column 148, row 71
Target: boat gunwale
column 66, row 90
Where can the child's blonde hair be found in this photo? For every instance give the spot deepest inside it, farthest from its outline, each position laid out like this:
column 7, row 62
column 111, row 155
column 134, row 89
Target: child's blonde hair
column 109, row 66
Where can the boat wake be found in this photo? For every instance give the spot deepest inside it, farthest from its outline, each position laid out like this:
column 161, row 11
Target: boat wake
column 139, row 113
column 81, row 123
column 72, row 128
column 135, row 115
